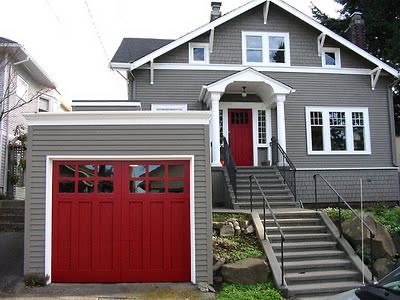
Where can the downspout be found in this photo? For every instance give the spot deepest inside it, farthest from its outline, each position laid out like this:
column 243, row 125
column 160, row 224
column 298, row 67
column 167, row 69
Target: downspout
column 391, row 121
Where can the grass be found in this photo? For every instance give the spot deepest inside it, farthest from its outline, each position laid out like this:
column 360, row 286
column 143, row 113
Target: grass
column 222, row 217
column 259, row 291
column 237, row 247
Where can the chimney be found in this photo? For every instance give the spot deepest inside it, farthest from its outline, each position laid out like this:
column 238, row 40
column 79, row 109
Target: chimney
column 356, row 30
column 216, row 10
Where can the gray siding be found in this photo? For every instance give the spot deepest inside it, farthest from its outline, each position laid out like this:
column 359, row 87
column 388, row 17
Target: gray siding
column 303, row 40
column 378, row 186
column 117, row 140
column 105, row 108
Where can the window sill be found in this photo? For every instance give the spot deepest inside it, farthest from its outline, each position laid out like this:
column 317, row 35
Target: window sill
column 339, row 153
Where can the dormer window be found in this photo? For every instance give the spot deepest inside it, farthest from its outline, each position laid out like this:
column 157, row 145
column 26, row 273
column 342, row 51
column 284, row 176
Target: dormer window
column 265, row 48
column 331, row 57
column 199, row 53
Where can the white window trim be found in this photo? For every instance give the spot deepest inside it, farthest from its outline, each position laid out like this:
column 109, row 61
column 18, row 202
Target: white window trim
column 349, row 130
column 49, row 196
column 169, row 107
column 44, row 98
column 206, row 47
column 265, row 50
column 19, row 80
column 337, row 57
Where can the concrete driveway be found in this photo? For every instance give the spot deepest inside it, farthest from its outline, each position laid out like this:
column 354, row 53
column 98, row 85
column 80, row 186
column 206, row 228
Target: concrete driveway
column 11, row 261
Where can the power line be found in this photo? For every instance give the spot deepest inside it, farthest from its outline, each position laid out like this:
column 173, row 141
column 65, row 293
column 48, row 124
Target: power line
column 96, row 31
column 53, row 11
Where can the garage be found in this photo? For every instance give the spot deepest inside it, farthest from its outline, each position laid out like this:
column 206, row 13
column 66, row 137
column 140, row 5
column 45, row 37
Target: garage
column 121, row 221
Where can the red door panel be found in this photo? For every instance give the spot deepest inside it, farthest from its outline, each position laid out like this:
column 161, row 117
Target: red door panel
column 241, row 136
column 115, row 222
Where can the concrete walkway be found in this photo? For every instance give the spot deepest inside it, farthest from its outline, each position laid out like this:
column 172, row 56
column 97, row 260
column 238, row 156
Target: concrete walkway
column 112, row 291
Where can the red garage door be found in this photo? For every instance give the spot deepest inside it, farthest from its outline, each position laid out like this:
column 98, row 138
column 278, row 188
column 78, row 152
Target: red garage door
column 121, row 221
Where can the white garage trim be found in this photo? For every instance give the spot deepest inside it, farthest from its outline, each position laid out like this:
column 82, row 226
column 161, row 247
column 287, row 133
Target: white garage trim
column 49, row 199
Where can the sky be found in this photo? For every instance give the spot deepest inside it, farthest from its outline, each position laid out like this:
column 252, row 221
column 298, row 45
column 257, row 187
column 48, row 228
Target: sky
column 74, row 40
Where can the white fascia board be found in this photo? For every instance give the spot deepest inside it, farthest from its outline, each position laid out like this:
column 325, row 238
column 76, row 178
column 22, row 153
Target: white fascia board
column 106, row 103
column 119, row 118
column 120, row 66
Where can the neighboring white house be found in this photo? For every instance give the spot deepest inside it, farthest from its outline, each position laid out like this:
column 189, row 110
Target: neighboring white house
column 22, row 81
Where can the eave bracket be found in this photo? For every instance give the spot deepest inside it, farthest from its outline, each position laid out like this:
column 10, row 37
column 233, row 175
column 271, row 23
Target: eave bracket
column 152, row 72
column 321, row 42
column 266, row 10
column 375, row 73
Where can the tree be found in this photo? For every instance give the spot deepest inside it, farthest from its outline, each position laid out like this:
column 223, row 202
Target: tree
column 382, row 25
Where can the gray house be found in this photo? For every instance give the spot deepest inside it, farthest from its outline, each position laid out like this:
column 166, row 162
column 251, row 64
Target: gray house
column 122, row 191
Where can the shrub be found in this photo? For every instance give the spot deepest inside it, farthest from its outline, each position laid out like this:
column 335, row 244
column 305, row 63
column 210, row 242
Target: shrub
column 388, row 217
column 333, row 213
column 36, row 279
column 259, row 291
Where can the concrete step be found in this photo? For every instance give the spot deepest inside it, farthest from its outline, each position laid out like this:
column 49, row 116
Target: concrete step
column 7, row 211
column 305, row 246
column 257, row 193
column 296, row 221
column 274, row 204
column 297, row 229
column 265, row 186
column 244, row 175
column 322, row 276
column 296, row 214
column 11, row 227
column 261, row 181
column 316, row 265
column 300, row 237
column 323, row 289
column 270, row 198
column 311, row 255
column 12, row 203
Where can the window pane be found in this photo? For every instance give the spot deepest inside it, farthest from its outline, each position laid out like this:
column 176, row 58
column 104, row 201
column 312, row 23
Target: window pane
column 262, row 132
column 175, row 187
column 157, row 186
column 277, row 56
column 67, row 171
column 105, row 171
column 276, row 42
column 105, row 186
column 317, row 138
column 156, row 170
column 86, row 170
column 338, row 138
column 330, row 58
column 85, row 186
column 137, row 186
column 137, row 170
column 358, row 137
column 176, row 171
column 254, row 56
column 254, row 42
column 66, row 187
column 199, row 54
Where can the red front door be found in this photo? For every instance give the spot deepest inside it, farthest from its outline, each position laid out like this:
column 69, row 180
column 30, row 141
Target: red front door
column 241, row 136
column 121, row 221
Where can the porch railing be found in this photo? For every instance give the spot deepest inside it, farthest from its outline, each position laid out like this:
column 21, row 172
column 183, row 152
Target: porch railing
column 230, row 166
column 281, row 160
column 341, row 200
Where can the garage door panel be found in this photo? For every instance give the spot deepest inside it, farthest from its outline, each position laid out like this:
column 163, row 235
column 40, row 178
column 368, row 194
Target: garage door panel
column 85, row 233
column 63, row 238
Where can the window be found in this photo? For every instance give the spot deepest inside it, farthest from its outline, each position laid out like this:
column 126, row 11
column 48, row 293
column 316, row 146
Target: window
column 337, row 130
column 265, row 48
column 262, row 128
column 331, row 57
column 21, row 88
column 221, row 128
column 44, row 105
column 169, row 107
column 199, row 53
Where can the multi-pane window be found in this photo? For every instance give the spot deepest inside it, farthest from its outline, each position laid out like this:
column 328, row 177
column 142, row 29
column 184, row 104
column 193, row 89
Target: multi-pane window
column 337, row 130
column 221, row 127
column 266, row 48
column 262, row 128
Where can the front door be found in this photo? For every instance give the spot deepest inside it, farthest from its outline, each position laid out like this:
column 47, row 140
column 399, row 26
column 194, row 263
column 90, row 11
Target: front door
column 241, row 136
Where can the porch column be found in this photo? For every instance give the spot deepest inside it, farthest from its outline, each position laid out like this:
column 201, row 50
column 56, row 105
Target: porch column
column 280, row 112
column 216, row 156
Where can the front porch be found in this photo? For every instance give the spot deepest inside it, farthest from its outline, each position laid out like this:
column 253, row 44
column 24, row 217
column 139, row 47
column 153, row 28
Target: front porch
column 248, row 108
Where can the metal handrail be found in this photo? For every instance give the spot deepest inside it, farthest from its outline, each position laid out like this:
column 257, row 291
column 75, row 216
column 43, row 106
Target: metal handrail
column 340, row 198
column 230, row 166
column 266, row 203
column 285, row 158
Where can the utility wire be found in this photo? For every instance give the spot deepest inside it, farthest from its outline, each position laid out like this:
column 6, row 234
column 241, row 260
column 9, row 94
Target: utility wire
column 97, row 31
column 53, row 11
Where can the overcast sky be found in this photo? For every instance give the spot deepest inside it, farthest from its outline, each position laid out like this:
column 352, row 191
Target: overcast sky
column 74, row 40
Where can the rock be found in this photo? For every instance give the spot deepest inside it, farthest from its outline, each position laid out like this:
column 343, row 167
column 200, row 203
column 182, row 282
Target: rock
column 246, row 271
column 236, row 224
column 218, row 279
column 217, row 225
column 244, row 224
column 218, row 265
column 396, row 240
column 237, row 230
column 205, row 287
column 227, row 230
column 382, row 245
column 382, row 267
column 250, row 229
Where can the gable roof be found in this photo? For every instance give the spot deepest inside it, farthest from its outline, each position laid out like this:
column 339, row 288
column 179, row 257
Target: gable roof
column 6, row 41
column 132, row 49
column 244, row 8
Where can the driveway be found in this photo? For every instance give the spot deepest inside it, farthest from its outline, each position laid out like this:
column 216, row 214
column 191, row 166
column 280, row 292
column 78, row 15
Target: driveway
column 11, row 261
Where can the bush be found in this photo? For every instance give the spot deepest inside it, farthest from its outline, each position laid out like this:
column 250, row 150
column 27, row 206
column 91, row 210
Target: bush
column 259, row 291
column 333, row 213
column 222, row 217
column 388, row 217
column 34, row 279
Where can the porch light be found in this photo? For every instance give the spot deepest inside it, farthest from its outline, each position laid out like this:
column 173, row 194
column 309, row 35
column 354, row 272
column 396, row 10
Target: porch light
column 244, row 94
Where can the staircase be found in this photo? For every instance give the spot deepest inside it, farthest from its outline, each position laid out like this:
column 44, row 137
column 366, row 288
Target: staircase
column 272, row 183
column 12, row 214
column 314, row 264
